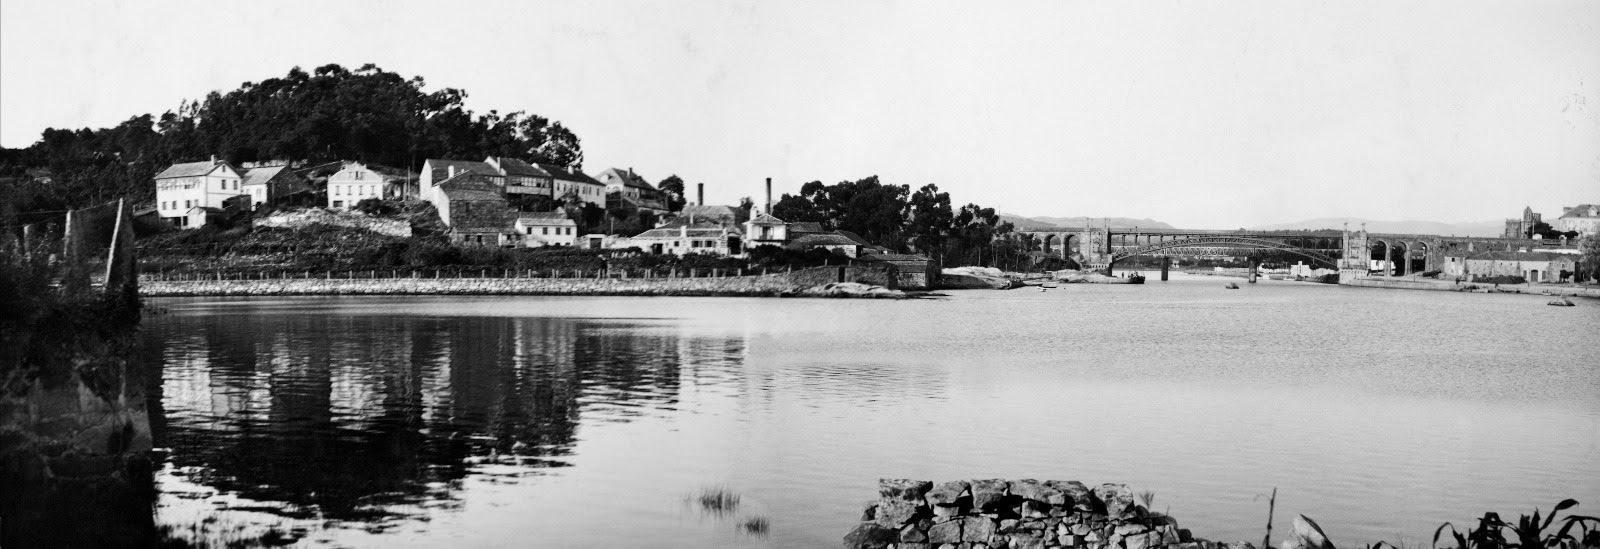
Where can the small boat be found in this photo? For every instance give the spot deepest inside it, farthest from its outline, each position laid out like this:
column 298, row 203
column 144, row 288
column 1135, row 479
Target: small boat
column 1232, row 286
column 1136, row 278
column 1563, row 302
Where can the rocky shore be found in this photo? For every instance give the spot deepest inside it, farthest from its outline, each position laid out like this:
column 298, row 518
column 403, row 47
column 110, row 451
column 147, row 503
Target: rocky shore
column 1031, row 514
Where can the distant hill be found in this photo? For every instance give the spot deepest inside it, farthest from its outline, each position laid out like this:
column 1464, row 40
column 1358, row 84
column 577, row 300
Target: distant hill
column 1043, row 223
column 1477, row 228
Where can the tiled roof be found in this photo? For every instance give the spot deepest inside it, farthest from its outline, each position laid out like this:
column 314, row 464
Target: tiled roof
column 519, row 167
column 190, row 169
column 391, row 172
column 628, row 179
column 544, row 217
column 765, row 219
column 675, row 229
column 441, row 167
column 565, row 174
column 1520, row 256
column 822, row 240
column 260, row 176
column 469, row 185
column 727, row 214
column 805, row 227
column 1582, row 211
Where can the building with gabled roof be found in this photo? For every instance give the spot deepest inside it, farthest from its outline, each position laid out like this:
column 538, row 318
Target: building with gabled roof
column 523, row 177
column 268, row 185
column 538, row 229
column 685, row 236
column 1583, row 218
column 845, row 242
column 474, row 208
column 729, row 215
column 573, row 181
column 357, row 181
column 185, row 186
column 435, row 170
column 765, row 230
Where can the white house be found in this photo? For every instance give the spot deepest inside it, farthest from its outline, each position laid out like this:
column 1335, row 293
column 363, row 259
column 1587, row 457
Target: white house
column 539, row 229
column 358, row 181
column 183, row 187
column 266, row 185
column 572, row 181
column 1583, row 218
column 684, row 236
column 523, row 177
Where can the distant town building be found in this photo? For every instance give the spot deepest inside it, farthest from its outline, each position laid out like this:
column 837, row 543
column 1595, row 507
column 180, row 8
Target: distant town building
column 435, row 170
column 912, row 271
column 1583, row 218
column 269, row 185
column 682, row 236
column 183, row 187
column 357, row 181
column 539, row 229
column 623, row 187
column 474, row 208
column 1523, row 227
column 523, row 177
column 727, row 215
column 575, row 182
column 765, row 230
column 844, row 242
column 1533, row 266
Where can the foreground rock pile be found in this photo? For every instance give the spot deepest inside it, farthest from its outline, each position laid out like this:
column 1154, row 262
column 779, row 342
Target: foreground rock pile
column 913, row 514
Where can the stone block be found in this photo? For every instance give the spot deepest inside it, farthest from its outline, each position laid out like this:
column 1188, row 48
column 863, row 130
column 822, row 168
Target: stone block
column 948, row 493
column 869, row 511
column 1118, row 498
column 987, row 494
column 1169, row 535
column 1129, row 529
column 1029, row 508
column 942, row 513
column 903, row 489
column 868, row 535
column 1037, row 491
column 910, row 533
column 1069, row 540
column 1137, row 541
column 1080, row 529
column 1026, row 542
column 945, row 532
column 1072, row 492
column 895, row 513
column 976, row 529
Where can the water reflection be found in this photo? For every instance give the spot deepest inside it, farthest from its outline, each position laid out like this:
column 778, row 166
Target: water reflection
column 372, row 418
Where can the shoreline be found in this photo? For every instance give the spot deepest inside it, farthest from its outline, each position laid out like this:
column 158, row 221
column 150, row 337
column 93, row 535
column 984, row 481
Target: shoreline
column 1392, row 283
column 799, row 284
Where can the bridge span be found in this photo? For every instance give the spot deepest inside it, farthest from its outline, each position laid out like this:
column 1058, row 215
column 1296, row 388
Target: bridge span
column 1101, row 248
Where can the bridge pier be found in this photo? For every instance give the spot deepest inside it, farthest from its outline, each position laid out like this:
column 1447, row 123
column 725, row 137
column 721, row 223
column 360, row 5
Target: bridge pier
column 1166, row 265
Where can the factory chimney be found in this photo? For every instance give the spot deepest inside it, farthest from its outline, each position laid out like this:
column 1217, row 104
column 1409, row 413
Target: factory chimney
column 768, row 211
column 701, row 198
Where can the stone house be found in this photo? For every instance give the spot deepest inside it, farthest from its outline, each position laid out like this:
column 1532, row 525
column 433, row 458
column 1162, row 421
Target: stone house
column 844, row 242
column 474, row 207
column 181, row 188
column 435, row 170
column 268, row 185
column 1536, row 267
column 357, row 181
column 685, row 236
column 538, row 229
column 1583, row 218
column 912, row 271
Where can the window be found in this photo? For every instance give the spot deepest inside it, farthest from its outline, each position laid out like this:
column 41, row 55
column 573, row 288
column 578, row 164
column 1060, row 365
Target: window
column 546, row 230
column 188, row 204
column 355, row 175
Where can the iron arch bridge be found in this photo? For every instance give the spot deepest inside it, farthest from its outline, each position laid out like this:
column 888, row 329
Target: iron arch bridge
column 1226, row 242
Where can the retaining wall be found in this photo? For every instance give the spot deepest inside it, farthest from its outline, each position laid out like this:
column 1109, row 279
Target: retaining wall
column 912, row 514
column 1452, row 286
column 794, row 283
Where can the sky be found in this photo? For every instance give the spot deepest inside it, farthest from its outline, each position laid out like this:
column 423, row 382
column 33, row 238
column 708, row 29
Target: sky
column 1199, row 114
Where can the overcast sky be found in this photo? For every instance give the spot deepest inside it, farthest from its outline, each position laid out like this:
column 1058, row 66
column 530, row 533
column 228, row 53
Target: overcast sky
column 1200, row 114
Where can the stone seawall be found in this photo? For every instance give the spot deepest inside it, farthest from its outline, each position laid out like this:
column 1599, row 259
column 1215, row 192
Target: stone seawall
column 913, row 514
column 805, row 282
column 1452, row 286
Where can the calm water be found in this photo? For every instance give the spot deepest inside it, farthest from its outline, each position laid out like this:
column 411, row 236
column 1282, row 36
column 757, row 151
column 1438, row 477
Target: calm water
column 588, row 422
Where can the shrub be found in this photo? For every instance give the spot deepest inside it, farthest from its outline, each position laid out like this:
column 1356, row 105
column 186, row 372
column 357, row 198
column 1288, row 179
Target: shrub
column 1505, row 279
column 377, row 206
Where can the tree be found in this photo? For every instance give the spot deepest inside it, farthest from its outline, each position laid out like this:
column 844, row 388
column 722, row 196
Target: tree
column 1589, row 261
column 672, row 191
column 931, row 221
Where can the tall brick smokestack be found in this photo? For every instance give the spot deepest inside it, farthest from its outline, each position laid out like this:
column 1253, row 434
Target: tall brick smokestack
column 700, row 197
column 768, row 211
